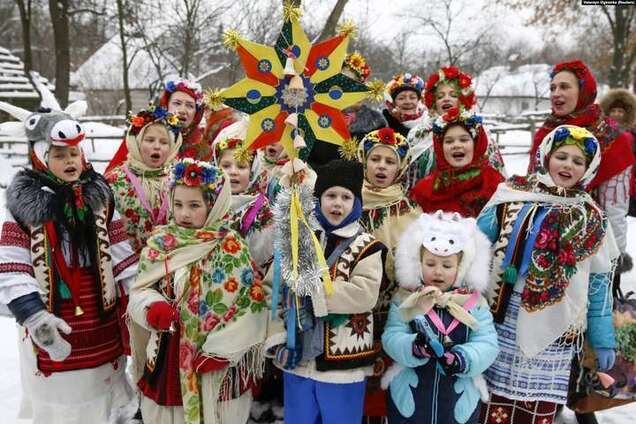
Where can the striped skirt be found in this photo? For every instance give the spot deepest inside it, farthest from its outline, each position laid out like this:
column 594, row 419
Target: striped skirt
column 544, row 377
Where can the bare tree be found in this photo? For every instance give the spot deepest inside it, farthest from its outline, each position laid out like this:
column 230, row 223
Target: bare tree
column 124, row 53
column 445, row 26
column 25, row 19
column 59, row 10
column 332, row 21
column 620, row 21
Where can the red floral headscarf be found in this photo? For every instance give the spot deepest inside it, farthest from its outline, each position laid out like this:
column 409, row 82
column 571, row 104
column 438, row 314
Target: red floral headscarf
column 465, row 190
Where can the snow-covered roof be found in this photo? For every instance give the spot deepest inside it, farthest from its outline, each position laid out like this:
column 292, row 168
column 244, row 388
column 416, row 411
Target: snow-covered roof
column 524, row 81
column 103, row 70
column 14, row 82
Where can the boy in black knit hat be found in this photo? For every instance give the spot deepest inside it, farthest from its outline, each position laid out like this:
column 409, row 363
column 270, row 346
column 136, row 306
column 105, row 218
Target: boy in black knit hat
column 325, row 371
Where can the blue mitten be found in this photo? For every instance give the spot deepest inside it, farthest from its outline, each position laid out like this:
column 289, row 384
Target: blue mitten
column 605, row 358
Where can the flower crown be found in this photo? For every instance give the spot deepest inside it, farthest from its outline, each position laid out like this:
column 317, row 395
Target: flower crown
column 154, row 114
column 386, row 137
column 578, row 136
column 406, row 80
column 241, row 154
column 471, row 121
column 192, row 88
column 577, row 67
column 452, row 76
column 358, row 65
column 195, row 173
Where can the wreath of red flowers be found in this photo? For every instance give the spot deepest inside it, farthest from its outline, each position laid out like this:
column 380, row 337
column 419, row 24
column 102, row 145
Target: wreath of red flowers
column 453, row 76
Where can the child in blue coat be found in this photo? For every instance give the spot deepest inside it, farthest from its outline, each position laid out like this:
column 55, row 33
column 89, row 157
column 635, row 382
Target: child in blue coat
column 439, row 331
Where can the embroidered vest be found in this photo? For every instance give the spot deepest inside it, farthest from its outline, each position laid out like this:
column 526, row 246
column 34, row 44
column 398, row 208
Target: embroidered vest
column 95, row 338
column 350, row 344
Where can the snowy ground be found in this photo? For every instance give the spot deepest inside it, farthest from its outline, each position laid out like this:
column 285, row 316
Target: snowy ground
column 10, row 389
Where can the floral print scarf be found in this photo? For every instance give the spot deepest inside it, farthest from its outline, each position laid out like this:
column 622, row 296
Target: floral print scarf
column 219, row 296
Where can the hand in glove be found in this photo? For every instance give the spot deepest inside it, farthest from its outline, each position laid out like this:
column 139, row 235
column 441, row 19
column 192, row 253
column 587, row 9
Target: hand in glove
column 452, row 363
column 161, row 315
column 605, row 358
column 44, row 328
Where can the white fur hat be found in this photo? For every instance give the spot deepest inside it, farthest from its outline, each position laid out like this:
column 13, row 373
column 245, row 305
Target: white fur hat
column 444, row 234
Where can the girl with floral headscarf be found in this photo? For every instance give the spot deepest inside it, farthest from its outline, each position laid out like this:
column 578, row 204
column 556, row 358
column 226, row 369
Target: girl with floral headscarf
column 551, row 277
column 386, row 213
column 445, row 89
column 153, row 141
column 198, row 308
column 463, row 180
column 250, row 212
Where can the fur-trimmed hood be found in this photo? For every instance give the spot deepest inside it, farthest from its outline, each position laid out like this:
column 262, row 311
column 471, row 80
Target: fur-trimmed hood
column 441, row 231
column 623, row 96
column 32, row 200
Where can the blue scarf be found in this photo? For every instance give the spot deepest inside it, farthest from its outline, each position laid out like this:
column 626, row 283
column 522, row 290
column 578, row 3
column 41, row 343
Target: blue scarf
column 354, row 215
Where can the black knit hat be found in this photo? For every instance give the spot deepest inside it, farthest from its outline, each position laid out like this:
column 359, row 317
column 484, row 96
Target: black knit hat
column 344, row 173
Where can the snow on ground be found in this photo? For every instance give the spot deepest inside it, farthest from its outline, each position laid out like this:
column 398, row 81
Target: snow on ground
column 10, row 390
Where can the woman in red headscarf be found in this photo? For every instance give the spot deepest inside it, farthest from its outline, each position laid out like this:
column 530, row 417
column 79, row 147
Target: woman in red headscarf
column 572, row 94
column 462, row 180
column 184, row 99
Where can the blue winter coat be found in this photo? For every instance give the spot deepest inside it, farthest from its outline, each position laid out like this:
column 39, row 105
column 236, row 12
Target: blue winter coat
column 440, row 398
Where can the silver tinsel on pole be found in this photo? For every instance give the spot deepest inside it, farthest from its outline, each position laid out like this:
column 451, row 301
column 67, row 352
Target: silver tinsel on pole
column 309, row 278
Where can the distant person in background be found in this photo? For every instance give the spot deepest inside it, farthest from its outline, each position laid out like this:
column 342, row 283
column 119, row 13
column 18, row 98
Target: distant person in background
column 620, row 105
column 447, row 88
column 404, row 109
column 184, row 98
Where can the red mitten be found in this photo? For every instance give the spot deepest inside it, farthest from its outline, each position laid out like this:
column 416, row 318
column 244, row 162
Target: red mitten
column 161, row 314
column 203, row 364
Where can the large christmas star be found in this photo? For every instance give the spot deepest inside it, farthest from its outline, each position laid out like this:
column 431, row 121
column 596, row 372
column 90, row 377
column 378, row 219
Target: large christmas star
column 294, row 91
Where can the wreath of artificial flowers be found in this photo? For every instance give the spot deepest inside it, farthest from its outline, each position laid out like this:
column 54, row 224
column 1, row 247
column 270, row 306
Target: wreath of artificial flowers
column 153, row 114
column 358, row 65
column 385, row 137
column 406, row 80
column 192, row 88
column 241, row 154
column 577, row 136
column 195, row 173
column 454, row 115
column 577, row 67
column 452, row 76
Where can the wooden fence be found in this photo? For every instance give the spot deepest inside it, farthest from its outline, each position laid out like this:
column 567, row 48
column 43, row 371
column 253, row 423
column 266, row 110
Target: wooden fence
column 16, row 149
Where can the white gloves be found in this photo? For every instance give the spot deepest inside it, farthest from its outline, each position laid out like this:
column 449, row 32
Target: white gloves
column 44, row 329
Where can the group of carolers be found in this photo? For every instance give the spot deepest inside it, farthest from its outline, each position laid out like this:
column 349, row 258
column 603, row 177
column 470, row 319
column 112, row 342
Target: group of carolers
column 167, row 258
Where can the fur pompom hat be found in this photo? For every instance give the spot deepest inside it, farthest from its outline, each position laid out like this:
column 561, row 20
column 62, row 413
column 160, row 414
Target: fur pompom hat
column 444, row 234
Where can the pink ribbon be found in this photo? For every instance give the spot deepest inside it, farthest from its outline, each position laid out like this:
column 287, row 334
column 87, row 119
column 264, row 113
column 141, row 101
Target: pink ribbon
column 157, row 216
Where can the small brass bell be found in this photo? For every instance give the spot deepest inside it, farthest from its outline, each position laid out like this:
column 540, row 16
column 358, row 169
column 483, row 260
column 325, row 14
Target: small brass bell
column 78, row 311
